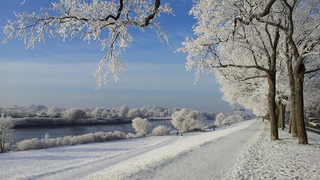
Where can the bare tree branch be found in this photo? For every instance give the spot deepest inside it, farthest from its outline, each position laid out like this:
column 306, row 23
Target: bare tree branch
column 249, row 19
column 312, row 70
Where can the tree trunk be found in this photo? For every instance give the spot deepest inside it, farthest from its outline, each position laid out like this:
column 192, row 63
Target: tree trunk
column 290, row 124
column 272, row 106
column 279, row 113
column 283, row 116
column 294, row 129
column 299, row 106
column 292, row 121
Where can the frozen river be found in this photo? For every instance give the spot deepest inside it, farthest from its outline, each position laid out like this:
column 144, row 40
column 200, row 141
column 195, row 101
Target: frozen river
column 28, row 133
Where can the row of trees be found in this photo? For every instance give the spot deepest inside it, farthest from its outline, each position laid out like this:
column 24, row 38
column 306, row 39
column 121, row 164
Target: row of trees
column 260, row 51
column 77, row 113
column 121, row 112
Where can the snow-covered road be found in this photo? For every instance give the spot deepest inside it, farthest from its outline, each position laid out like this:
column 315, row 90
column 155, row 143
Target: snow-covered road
column 211, row 161
column 124, row 158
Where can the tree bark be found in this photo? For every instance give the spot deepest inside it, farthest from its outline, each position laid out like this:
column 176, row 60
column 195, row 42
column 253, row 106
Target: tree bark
column 299, row 106
column 283, row 117
column 294, row 129
column 279, row 113
column 292, row 121
column 272, row 106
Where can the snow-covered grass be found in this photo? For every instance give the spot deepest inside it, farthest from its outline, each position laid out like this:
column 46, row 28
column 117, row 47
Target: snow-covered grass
column 283, row 159
column 46, row 142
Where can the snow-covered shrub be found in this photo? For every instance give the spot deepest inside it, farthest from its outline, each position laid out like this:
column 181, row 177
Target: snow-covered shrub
column 140, row 126
column 160, row 130
column 131, row 135
column 232, row 119
column 97, row 112
column 223, row 119
column 106, row 114
column 219, row 118
column 47, row 142
column 27, row 144
column 188, row 120
column 6, row 132
column 74, row 114
column 133, row 113
column 123, row 111
column 54, row 112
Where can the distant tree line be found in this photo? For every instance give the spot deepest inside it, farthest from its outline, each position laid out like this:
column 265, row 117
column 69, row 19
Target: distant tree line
column 124, row 112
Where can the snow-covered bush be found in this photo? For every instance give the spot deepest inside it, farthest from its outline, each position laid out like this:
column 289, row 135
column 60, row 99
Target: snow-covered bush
column 97, row 112
column 232, row 119
column 6, row 132
column 223, row 119
column 188, row 120
column 133, row 113
column 106, row 114
column 54, row 112
column 74, row 114
column 47, row 142
column 140, row 126
column 123, row 111
column 160, row 130
column 219, row 118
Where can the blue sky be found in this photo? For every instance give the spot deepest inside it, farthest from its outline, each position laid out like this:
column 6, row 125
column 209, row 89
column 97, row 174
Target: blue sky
column 61, row 73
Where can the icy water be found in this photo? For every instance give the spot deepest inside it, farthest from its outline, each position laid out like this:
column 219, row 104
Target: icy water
column 28, row 133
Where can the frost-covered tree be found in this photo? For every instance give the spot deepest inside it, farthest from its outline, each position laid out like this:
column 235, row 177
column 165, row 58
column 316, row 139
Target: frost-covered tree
column 224, row 118
column 133, row 113
column 235, row 52
column 106, row 114
column 160, row 130
column 140, row 126
column 261, row 27
column 188, row 120
column 36, row 110
column 6, row 132
column 97, row 112
column 123, row 111
column 104, row 21
column 54, row 112
column 219, row 118
column 299, row 21
column 312, row 97
column 74, row 114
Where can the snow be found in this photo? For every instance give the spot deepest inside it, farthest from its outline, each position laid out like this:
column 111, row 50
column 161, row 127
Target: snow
column 283, row 159
column 243, row 151
column 158, row 156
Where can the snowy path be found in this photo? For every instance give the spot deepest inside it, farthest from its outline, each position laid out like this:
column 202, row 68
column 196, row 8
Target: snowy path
column 115, row 160
column 212, row 161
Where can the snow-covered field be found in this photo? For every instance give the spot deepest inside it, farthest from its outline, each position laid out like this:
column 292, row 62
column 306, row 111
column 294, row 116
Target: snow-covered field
column 112, row 160
column 164, row 156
